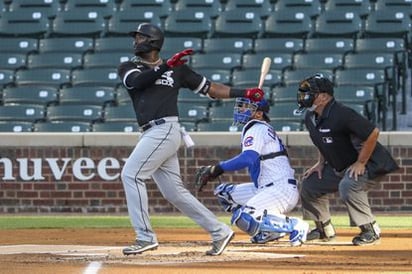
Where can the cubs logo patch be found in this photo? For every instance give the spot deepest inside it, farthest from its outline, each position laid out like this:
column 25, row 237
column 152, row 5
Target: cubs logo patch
column 248, row 141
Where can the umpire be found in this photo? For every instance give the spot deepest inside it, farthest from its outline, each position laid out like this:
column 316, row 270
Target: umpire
column 153, row 86
column 349, row 157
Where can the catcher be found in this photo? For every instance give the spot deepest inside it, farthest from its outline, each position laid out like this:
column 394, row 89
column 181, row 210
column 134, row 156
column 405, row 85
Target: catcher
column 258, row 207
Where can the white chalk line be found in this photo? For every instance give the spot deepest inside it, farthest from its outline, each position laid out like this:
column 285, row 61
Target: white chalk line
column 93, row 268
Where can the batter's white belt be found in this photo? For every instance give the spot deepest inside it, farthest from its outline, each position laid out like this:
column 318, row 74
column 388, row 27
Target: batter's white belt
column 152, row 123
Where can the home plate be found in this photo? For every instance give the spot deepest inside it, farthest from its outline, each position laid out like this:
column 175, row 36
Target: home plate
column 330, row 243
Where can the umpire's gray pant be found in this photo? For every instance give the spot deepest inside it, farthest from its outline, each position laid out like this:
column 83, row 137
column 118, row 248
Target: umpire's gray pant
column 315, row 194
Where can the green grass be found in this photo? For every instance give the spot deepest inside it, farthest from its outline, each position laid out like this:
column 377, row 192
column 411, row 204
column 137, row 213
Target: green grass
column 158, row 221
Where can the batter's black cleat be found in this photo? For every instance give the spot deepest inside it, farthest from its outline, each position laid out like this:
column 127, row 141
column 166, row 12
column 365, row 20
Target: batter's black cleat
column 369, row 235
column 139, row 247
column 219, row 246
column 324, row 232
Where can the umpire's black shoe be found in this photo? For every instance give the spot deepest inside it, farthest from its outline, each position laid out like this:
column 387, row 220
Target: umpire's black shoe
column 219, row 246
column 370, row 235
column 324, row 232
column 139, row 247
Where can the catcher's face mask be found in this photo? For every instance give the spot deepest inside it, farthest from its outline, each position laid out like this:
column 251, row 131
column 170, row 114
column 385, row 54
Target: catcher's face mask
column 245, row 108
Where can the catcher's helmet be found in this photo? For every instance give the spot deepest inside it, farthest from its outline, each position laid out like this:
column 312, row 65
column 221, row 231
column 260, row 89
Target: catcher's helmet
column 153, row 32
column 244, row 109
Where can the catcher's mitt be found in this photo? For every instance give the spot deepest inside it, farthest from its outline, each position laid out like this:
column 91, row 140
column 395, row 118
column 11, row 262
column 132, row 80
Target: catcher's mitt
column 205, row 174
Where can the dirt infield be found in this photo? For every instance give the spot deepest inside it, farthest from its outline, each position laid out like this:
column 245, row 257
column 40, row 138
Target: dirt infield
column 182, row 251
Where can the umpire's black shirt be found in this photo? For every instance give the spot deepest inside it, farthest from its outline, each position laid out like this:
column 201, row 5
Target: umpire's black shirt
column 332, row 133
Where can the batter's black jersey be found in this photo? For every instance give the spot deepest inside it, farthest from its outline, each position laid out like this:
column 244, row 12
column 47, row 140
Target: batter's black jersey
column 334, row 131
column 154, row 96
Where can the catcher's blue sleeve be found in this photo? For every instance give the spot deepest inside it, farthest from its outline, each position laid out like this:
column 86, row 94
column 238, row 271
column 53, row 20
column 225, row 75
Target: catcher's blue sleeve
column 245, row 159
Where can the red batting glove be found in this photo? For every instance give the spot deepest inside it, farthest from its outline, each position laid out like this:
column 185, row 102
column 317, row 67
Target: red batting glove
column 176, row 60
column 254, row 94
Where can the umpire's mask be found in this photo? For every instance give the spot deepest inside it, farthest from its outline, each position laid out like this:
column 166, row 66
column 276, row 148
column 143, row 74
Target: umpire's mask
column 310, row 87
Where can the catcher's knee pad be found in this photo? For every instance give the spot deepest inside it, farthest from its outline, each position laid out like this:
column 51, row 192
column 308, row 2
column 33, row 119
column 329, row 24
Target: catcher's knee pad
column 222, row 193
column 245, row 222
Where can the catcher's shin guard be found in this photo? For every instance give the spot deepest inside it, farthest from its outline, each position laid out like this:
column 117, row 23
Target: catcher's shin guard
column 245, row 222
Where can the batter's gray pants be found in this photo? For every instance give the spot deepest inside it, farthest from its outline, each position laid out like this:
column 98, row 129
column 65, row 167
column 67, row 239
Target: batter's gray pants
column 155, row 155
column 315, row 194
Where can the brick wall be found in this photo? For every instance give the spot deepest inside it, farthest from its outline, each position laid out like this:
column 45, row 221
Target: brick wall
column 71, row 195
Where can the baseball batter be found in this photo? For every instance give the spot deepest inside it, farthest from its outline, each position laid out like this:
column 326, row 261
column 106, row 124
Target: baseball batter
column 258, row 207
column 153, row 86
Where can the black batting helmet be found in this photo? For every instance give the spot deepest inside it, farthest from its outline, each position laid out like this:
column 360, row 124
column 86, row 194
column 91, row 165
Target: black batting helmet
column 154, row 33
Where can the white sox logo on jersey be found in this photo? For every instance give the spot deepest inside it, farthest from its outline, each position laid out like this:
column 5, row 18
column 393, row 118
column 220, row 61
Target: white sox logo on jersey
column 166, row 79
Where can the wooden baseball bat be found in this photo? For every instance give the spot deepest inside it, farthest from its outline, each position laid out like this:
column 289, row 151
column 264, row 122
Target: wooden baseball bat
column 264, row 70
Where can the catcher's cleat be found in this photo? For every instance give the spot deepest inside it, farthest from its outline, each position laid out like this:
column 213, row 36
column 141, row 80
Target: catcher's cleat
column 139, row 247
column 300, row 230
column 369, row 235
column 265, row 237
column 219, row 246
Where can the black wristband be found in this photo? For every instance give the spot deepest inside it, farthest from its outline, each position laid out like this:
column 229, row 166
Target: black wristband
column 217, row 170
column 236, row 92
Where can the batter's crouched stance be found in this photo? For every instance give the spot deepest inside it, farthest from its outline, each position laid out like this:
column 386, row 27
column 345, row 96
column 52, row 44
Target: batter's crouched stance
column 153, row 86
column 347, row 145
column 258, row 208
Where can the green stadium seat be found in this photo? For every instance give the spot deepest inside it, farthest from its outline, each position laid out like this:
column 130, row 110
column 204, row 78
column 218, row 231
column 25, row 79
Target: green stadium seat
column 12, row 61
column 60, row 60
column 106, row 59
column 216, row 60
column 230, row 44
column 24, row 23
column 121, row 113
column 85, row 113
column 66, row 44
column 237, row 23
column 287, row 24
column 115, row 127
column 101, row 76
column 23, row 45
column 155, row 7
column 43, row 76
column 211, row 8
column 124, row 21
column 185, row 23
column 39, row 95
column 188, row 112
column 86, row 23
column 279, row 45
column 22, row 112
column 329, row 45
column 94, row 95
column 105, row 8
column 62, row 126
column 16, row 126
column 338, row 23
column 362, row 8
column 49, row 8
column 260, row 8
column 218, row 125
column 311, row 8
